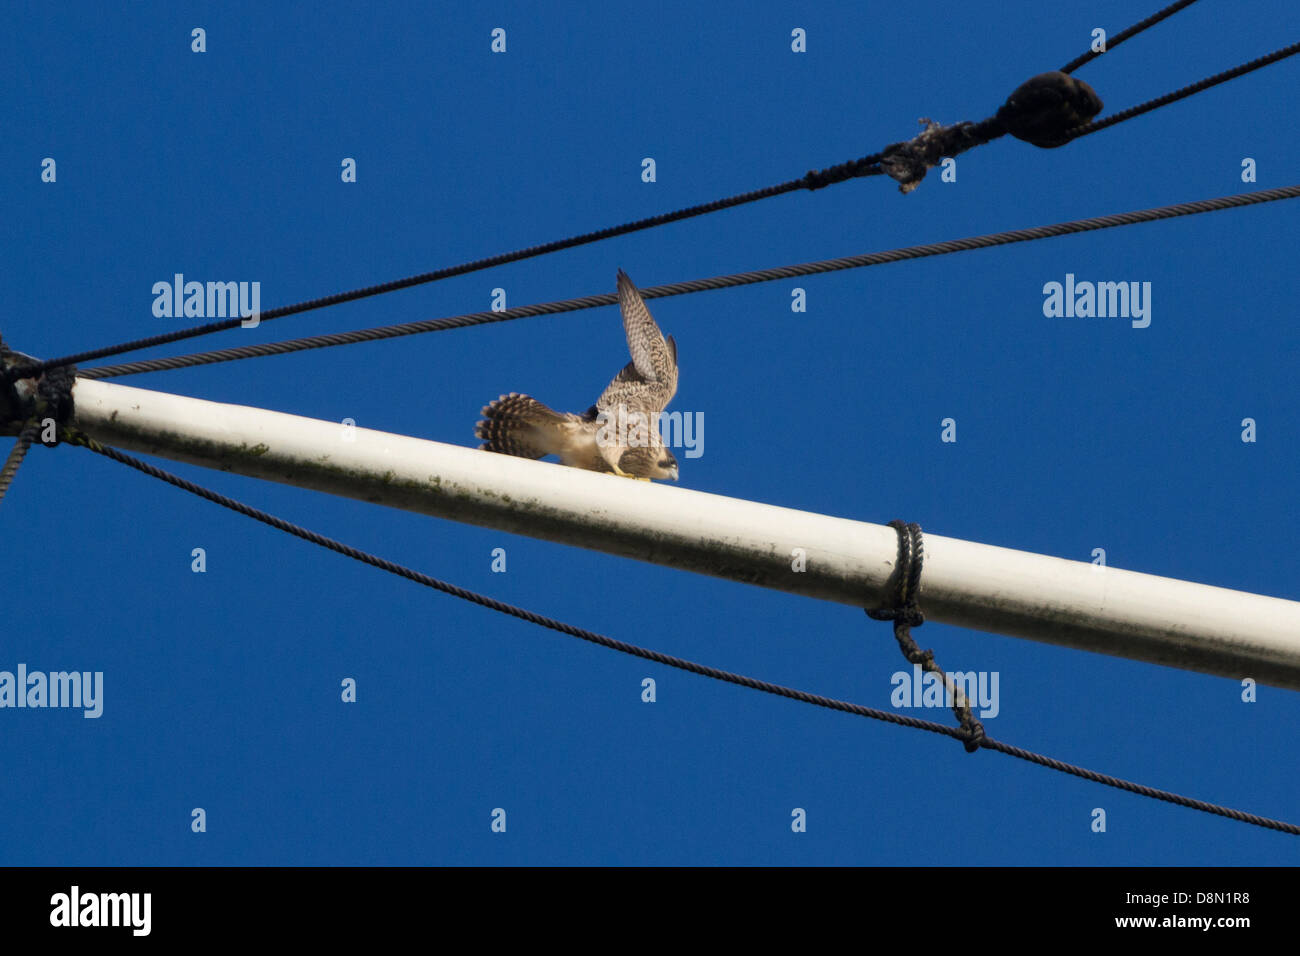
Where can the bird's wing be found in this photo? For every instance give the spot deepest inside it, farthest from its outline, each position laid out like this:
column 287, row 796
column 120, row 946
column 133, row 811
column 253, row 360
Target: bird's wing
column 654, row 359
column 636, row 394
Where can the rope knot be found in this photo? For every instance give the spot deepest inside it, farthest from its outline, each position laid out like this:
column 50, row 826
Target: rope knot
column 1043, row 109
column 904, row 585
column 974, row 734
column 28, row 400
column 908, row 616
column 54, row 395
column 905, row 580
column 909, row 161
column 917, row 656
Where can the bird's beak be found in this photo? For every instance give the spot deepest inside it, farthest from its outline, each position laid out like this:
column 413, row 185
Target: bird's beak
column 673, row 473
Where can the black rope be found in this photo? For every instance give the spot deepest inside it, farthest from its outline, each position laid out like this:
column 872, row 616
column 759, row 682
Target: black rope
column 1186, row 91
column 697, row 285
column 49, row 399
column 905, row 612
column 16, row 455
column 73, row 436
column 906, row 162
column 1123, row 35
column 1143, row 790
column 814, row 179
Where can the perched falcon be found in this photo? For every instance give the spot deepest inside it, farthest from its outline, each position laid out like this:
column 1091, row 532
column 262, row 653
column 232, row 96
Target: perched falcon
column 620, row 433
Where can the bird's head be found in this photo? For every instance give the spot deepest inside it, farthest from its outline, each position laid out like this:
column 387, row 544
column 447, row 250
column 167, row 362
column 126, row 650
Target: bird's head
column 666, row 466
column 653, row 462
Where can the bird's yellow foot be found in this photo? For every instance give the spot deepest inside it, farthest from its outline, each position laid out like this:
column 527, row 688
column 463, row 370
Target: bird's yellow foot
column 623, row 474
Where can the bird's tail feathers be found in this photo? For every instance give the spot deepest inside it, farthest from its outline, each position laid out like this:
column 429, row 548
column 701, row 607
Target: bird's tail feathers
column 518, row 425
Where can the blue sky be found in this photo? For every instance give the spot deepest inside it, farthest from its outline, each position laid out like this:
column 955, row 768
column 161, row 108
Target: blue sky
column 221, row 690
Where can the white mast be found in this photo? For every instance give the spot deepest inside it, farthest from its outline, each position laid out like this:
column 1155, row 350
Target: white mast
column 1075, row 604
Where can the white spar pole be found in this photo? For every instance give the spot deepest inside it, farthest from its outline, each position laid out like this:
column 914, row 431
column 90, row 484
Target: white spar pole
column 1140, row 616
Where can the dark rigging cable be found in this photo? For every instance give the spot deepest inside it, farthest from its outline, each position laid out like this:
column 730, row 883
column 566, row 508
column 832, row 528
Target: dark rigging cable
column 1186, row 91
column 984, row 742
column 905, row 161
column 16, row 454
column 448, row 272
column 696, row 285
column 1123, row 35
